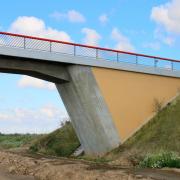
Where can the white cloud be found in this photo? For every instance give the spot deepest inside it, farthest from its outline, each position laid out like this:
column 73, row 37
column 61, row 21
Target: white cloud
column 27, row 81
column 152, row 45
column 39, row 120
column 166, row 39
column 168, row 16
column 103, row 19
column 71, row 15
column 36, row 27
column 169, row 41
column 57, row 15
column 75, row 16
column 123, row 43
column 91, row 36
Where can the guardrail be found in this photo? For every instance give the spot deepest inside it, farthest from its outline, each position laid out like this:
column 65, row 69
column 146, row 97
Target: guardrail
column 53, row 46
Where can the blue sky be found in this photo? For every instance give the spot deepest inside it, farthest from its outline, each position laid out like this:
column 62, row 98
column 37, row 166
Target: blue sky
column 148, row 27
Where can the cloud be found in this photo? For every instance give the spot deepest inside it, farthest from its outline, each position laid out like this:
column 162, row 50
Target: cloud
column 152, row 45
column 103, row 18
column 27, row 81
column 36, row 27
column 123, row 43
column 71, row 15
column 166, row 39
column 39, row 120
column 168, row 16
column 91, row 36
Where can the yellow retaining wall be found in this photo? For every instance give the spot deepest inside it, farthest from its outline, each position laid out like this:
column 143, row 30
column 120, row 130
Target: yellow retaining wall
column 130, row 96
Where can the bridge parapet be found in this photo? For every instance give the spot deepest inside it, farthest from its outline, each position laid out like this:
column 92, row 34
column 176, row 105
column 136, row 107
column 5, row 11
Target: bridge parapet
column 79, row 50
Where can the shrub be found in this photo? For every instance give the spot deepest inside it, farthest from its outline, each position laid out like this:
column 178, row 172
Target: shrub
column 157, row 106
column 160, row 160
column 62, row 142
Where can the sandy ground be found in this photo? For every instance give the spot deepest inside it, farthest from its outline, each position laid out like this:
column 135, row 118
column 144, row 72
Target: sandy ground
column 13, row 166
column 5, row 175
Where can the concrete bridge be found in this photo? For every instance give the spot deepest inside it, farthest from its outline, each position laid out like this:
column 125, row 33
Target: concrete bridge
column 108, row 94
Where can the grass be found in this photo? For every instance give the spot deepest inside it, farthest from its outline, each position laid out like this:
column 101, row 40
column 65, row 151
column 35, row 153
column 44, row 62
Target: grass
column 160, row 160
column 161, row 134
column 8, row 141
column 62, row 142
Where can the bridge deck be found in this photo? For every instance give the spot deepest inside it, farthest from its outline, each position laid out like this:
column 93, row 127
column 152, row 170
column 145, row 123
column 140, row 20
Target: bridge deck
column 59, row 51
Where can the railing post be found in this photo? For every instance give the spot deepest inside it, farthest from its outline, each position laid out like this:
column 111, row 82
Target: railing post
column 172, row 66
column 50, row 47
column 136, row 59
column 155, row 62
column 74, row 50
column 96, row 53
column 117, row 57
column 24, row 43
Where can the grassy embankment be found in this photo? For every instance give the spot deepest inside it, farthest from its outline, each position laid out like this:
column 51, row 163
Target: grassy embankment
column 62, row 142
column 156, row 140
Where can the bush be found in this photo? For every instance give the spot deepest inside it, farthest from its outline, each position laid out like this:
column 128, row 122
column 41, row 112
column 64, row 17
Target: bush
column 160, row 160
column 62, row 142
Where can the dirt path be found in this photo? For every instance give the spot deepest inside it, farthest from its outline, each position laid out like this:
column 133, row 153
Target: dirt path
column 49, row 168
column 5, row 175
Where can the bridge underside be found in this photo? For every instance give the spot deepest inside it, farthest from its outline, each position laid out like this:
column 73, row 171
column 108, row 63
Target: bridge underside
column 106, row 106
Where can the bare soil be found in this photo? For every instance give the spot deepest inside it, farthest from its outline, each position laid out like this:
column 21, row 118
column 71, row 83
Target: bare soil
column 17, row 166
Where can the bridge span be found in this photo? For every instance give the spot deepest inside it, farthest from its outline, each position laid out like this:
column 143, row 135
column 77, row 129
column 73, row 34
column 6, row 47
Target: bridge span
column 108, row 94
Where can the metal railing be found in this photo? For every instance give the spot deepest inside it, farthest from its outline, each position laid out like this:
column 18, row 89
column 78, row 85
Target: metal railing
column 98, row 53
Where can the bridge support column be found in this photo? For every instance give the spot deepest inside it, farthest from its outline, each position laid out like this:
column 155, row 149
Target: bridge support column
column 88, row 111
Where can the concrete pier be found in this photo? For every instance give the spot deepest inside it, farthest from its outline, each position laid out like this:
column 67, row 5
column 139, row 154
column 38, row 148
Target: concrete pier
column 88, row 111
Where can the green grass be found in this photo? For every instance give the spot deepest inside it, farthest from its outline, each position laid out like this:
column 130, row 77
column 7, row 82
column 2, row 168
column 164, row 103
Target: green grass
column 160, row 160
column 8, row 141
column 161, row 134
column 62, row 142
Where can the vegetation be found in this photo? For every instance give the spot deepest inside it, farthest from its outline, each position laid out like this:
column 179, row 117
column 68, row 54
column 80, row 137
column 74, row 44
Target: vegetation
column 161, row 134
column 160, row 160
column 8, row 141
column 62, row 142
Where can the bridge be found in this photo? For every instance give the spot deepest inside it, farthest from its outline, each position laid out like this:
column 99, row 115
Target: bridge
column 108, row 94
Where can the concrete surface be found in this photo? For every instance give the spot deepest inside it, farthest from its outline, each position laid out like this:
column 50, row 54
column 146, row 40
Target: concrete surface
column 131, row 96
column 88, row 111
column 70, row 59
column 54, row 72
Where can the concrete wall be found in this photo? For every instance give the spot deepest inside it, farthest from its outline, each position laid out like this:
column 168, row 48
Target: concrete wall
column 88, row 111
column 130, row 96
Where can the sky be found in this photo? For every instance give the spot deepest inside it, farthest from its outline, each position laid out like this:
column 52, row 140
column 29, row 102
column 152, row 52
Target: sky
column 29, row 105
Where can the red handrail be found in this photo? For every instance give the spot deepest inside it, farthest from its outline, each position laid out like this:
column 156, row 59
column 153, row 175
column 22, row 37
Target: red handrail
column 87, row 46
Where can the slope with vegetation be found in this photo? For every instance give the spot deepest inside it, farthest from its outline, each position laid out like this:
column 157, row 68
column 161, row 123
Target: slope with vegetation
column 62, row 142
column 158, row 138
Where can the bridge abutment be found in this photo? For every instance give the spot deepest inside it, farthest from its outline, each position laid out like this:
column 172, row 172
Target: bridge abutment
column 88, row 111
